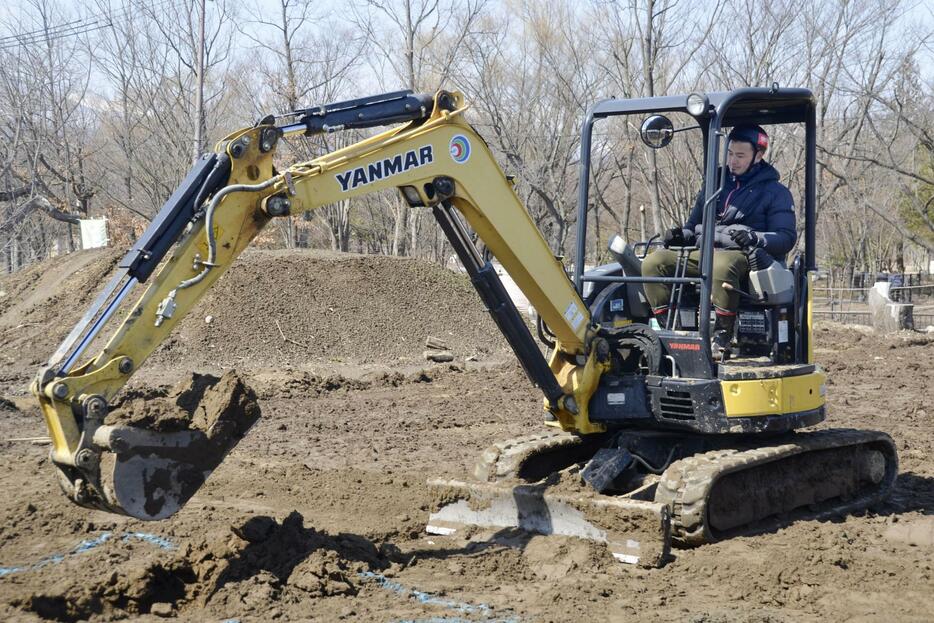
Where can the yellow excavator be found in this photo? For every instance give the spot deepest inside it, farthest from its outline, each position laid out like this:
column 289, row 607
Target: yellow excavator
column 648, row 441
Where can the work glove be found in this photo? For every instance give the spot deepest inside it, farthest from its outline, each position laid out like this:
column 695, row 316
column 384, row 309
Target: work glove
column 674, row 237
column 745, row 238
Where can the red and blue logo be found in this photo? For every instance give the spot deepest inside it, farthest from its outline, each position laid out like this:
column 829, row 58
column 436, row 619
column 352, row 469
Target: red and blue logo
column 460, row 149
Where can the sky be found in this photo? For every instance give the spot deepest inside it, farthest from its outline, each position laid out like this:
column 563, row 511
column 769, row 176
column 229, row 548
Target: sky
column 82, row 15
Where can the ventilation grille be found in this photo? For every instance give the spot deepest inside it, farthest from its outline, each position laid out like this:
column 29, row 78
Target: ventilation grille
column 676, row 406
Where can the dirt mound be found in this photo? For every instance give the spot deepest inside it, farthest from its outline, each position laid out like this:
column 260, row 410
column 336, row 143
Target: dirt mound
column 40, row 304
column 271, row 309
column 239, row 570
column 276, row 308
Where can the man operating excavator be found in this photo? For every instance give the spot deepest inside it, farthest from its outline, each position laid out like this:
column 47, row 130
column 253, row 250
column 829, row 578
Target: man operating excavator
column 754, row 211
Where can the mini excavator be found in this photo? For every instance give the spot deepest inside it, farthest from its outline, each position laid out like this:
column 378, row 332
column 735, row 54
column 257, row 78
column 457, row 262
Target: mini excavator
column 648, row 441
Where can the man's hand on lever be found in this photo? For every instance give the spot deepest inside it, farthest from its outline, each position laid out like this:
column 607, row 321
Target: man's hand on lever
column 745, row 238
column 674, row 237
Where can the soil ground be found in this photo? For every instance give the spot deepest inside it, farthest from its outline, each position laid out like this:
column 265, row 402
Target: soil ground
column 318, row 514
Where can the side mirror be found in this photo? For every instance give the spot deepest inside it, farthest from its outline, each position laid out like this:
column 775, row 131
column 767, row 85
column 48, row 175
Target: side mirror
column 657, row 131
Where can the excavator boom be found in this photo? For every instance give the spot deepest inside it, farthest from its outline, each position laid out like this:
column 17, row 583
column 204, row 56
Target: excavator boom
column 436, row 159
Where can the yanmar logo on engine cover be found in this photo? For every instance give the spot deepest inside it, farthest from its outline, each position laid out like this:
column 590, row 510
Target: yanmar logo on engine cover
column 387, row 167
column 684, row 345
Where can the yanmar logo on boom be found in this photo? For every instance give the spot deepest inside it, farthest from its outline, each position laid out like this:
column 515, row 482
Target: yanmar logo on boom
column 387, row 167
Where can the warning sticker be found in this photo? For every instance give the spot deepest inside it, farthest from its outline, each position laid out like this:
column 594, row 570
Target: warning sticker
column 573, row 315
column 616, row 399
column 782, row 330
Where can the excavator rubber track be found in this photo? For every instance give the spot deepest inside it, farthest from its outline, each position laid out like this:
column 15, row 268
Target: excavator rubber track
column 698, row 499
column 814, row 474
column 535, row 456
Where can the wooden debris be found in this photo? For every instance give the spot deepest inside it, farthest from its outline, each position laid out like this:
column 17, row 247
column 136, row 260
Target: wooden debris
column 436, row 343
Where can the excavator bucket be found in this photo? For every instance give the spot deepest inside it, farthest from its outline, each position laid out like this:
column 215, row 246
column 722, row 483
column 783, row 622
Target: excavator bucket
column 151, row 475
column 149, row 455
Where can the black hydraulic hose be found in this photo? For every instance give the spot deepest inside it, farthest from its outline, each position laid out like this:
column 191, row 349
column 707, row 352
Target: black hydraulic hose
column 655, row 470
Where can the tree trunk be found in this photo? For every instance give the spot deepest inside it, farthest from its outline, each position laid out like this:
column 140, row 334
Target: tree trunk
column 200, row 125
column 291, row 95
column 14, row 254
column 401, row 213
column 344, row 229
column 413, row 231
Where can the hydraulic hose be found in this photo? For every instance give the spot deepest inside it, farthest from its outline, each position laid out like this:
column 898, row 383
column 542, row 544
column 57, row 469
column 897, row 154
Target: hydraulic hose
column 209, row 228
column 167, row 306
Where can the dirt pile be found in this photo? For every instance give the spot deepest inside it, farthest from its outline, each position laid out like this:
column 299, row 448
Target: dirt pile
column 271, row 309
column 242, row 569
column 40, row 304
column 288, row 308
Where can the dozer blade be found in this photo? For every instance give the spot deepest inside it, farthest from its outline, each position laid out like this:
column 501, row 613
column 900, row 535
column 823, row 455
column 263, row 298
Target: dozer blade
column 635, row 531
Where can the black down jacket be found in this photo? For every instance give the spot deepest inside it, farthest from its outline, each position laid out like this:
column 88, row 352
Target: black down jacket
column 755, row 200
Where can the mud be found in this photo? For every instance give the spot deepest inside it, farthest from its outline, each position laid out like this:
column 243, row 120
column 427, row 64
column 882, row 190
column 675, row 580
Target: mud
column 318, row 513
column 242, row 568
column 220, row 406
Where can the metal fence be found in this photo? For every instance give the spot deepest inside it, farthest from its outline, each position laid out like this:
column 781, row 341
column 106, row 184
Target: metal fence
column 905, row 287
column 849, row 305
column 864, row 317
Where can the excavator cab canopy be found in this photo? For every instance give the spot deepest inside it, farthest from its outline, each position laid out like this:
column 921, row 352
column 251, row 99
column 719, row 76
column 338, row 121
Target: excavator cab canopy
column 714, row 114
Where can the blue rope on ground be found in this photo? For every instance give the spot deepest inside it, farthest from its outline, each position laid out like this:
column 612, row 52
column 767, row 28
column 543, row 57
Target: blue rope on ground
column 158, row 541
column 86, row 546
column 483, row 610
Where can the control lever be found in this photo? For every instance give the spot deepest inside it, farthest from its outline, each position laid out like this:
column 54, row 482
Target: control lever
column 729, row 288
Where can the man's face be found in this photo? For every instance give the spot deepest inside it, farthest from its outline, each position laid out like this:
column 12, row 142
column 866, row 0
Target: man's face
column 740, row 155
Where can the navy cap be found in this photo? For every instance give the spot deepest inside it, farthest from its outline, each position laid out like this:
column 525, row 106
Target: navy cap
column 750, row 134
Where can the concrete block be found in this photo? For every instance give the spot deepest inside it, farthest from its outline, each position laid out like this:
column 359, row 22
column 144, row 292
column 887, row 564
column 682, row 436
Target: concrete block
column 887, row 315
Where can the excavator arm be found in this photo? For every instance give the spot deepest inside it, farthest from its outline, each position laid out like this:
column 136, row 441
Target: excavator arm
column 436, row 160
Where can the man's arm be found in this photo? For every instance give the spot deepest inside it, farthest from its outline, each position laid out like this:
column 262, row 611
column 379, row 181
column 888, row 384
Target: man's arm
column 694, row 219
column 780, row 234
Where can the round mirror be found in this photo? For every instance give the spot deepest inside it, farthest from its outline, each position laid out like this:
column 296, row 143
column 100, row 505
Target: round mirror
column 657, row 131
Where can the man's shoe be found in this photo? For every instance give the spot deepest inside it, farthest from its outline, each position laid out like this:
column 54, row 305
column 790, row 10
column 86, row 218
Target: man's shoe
column 721, row 342
column 720, row 345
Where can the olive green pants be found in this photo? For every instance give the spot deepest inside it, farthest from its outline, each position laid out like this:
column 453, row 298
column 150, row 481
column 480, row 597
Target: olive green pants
column 728, row 267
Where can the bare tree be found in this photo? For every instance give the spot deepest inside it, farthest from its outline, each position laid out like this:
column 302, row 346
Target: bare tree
column 44, row 80
column 305, row 66
column 417, row 42
column 199, row 42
